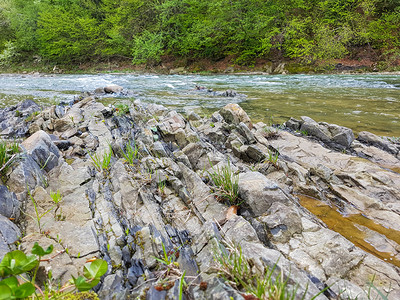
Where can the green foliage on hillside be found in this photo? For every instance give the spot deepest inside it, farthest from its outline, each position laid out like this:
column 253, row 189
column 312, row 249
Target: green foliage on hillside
column 145, row 30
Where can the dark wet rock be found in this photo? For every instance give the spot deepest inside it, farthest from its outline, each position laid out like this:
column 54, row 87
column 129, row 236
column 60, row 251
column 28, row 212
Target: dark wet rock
column 9, row 234
column 293, row 124
column 227, row 93
column 42, row 149
column 107, row 112
column 9, row 204
column 113, row 287
column 59, row 111
column 13, row 119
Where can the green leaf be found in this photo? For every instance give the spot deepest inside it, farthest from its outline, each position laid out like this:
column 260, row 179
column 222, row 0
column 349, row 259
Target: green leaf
column 5, row 293
column 83, row 285
column 95, row 269
column 24, row 290
column 11, row 282
column 16, row 262
column 39, row 251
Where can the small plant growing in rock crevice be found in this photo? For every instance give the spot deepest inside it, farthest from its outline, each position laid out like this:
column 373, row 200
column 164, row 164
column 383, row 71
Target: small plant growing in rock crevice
column 270, row 132
column 102, row 163
column 225, row 184
column 8, row 153
column 121, row 109
column 234, row 267
column 272, row 157
column 131, row 153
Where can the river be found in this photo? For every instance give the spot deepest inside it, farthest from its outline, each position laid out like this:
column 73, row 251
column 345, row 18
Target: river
column 361, row 102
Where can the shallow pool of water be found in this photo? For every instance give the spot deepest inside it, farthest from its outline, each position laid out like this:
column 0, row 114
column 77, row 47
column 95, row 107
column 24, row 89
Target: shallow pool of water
column 351, row 227
column 361, row 102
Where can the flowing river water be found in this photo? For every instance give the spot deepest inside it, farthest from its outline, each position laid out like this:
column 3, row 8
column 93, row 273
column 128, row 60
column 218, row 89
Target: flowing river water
column 360, row 102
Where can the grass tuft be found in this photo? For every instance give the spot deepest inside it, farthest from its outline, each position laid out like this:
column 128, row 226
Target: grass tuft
column 242, row 274
column 8, row 152
column 226, row 184
column 102, row 163
column 131, row 153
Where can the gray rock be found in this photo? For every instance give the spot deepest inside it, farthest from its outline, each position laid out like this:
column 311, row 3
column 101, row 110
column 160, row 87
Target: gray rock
column 113, row 287
column 246, row 133
column 194, row 151
column 9, row 234
column 258, row 192
column 328, row 132
column 113, row 89
column 158, row 150
column 180, row 70
column 293, row 124
column 42, row 149
column 27, row 174
column 233, row 113
column 193, row 116
column 282, row 221
column 156, row 109
column 99, row 90
column 372, row 139
column 254, row 153
column 217, row 290
column 63, row 124
column 13, row 119
column 9, row 204
column 314, row 129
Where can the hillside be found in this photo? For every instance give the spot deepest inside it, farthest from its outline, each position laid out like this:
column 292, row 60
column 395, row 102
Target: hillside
column 193, row 33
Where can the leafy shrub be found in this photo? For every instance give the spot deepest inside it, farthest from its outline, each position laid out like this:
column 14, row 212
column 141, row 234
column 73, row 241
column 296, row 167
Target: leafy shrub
column 16, row 263
column 68, row 35
column 147, row 48
column 9, row 54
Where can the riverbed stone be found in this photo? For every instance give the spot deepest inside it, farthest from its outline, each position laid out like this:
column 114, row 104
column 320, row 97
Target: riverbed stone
column 113, row 89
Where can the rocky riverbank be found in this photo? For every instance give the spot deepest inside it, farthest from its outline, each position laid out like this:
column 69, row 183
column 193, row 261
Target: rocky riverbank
column 137, row 190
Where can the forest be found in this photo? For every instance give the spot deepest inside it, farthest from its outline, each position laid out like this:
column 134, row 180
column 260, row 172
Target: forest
column 146, row 31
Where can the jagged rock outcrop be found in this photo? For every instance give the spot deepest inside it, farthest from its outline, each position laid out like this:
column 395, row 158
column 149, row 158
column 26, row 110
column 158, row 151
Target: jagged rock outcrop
column 154, row 197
